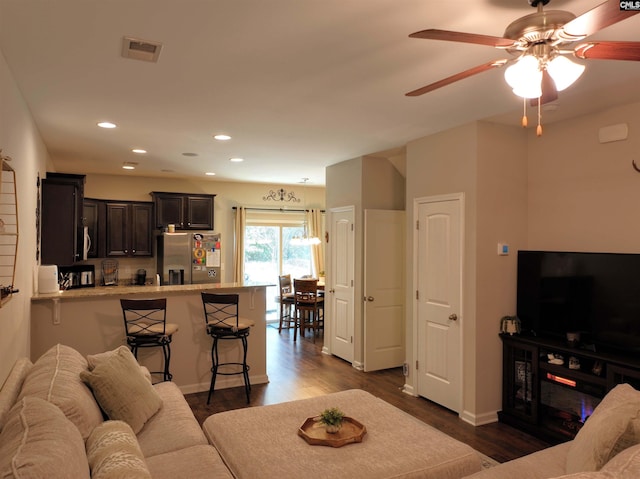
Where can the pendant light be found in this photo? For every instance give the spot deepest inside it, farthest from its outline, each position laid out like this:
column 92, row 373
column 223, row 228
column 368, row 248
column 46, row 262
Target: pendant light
column 305, row 239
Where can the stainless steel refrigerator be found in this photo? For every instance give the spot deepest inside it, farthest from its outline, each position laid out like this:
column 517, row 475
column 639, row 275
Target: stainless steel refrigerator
column 189, row 257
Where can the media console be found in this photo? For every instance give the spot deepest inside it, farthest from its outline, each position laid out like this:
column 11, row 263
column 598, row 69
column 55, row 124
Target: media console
column 550, row 388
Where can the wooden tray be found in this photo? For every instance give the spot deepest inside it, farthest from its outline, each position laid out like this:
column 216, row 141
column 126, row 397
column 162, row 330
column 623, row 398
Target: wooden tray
column 315, row 433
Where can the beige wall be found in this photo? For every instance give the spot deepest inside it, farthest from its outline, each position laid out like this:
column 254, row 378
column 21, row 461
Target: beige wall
column 19, row 138
column 370, row 182
column 583, row 195
column 441, row 164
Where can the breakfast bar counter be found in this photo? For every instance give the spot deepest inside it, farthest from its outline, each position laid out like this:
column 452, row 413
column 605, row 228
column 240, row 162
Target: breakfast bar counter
column 90, row 320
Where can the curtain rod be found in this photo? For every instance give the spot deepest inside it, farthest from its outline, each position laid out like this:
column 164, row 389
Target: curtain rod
column 282, row 210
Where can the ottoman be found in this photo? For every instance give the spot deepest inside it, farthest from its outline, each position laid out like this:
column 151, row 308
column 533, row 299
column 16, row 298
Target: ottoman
column 264, row 442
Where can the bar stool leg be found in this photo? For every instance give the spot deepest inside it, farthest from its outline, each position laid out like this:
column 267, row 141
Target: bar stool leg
column 214, row 367
column 245, row 369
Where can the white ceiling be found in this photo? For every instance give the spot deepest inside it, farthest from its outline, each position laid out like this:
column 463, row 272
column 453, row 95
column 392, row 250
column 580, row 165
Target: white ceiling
column 298, row 84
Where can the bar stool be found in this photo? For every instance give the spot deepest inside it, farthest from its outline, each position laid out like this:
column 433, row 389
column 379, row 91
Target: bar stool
column 287, row 303
column 223, row 323
column 145, row 322
column 309, row 306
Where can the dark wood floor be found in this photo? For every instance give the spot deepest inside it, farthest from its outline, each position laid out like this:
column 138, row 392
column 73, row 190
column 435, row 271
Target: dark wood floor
column 300, row 370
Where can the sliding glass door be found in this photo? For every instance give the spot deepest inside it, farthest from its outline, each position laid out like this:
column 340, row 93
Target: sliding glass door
column 269, row 253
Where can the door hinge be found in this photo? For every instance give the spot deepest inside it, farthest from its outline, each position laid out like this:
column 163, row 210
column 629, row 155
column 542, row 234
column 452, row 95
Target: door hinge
column 352, row 283
column 417, row 224
column 417, row 363
column 417, row 294
column 351, row 226
column 351, row 339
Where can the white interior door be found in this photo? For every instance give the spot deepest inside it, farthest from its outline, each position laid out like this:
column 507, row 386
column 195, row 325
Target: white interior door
column 384, row 344
column 439, row 351
column 340, row 292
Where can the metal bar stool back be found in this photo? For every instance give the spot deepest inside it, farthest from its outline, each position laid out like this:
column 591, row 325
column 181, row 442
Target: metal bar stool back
column 223, row 323
column 145, row 323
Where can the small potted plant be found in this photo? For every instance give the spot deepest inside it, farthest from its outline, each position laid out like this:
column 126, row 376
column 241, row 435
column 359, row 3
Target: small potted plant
column 332, row 419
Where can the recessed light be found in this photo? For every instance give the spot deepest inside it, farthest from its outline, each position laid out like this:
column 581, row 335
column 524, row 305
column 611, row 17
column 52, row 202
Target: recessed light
column 222, row 137
column 129, row 165
column 210, row 173
column 236, row 160
column 139, row 151
column 106, row 124
column 189, row 154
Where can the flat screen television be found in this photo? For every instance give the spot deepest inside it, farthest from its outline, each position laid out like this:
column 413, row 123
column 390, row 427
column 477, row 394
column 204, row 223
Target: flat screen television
column 595, row 294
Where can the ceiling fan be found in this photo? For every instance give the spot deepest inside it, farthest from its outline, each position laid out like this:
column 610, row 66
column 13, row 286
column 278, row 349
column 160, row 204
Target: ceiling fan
column 540, row 43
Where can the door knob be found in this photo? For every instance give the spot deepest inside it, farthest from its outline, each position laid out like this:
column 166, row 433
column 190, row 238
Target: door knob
column 369, row 298
column 453, row 317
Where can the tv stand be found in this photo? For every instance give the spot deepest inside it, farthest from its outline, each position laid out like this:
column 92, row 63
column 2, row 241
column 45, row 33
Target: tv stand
column 550, row 388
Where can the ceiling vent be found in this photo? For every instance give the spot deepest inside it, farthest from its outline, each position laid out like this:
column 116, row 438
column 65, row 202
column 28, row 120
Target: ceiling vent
column 141, row 49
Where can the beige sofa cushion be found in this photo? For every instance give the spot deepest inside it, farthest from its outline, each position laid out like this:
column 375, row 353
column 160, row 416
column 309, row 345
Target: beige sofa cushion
column 613, row 427
column 55, row 377
column 113, row 453
column 12, row 385
column 625, row 465
column 122, row 390
column 39, row 441
column 195, row 462
column 158, row 436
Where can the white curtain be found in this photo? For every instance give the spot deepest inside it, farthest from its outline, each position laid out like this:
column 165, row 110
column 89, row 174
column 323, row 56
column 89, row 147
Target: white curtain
column 314, row 222
column 238, row 250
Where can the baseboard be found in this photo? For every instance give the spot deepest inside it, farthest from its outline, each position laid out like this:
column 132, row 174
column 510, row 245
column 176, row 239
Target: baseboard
column 223, row 383
column 325, row 350
column 358, row 365
column 479, row 419
column 408, row 389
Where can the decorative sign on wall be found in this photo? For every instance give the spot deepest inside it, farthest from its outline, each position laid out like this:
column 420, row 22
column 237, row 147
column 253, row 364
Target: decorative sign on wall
column 281, row 195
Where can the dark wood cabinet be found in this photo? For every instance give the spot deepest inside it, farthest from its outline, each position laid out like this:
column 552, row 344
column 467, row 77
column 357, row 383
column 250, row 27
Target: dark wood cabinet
column 129, row 229
column 185, row 211
column 550, row 388
column 62, row 233
column 93, row 217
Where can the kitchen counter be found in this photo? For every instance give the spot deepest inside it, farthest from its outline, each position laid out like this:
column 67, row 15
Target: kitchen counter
column 90, row 320
column 151, row 290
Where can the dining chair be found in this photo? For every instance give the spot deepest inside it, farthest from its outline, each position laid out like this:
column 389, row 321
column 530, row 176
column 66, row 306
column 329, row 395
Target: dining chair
column 287, row 302
column 309, row 306
column 145, row 322
column 224, row 323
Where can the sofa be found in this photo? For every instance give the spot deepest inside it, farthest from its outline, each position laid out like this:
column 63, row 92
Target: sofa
column 606, row 447
column 53, row 421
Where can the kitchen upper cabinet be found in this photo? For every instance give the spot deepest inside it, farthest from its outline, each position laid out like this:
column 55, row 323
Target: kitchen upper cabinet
column 186, row 211
column 129, row 229
column 62, row 234
column 93, row 217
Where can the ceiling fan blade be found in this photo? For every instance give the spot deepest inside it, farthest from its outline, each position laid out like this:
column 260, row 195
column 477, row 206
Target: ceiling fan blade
column 435, row 34
column 456, row 77
column 594, row 20
column 549, row 91
column 609, row 51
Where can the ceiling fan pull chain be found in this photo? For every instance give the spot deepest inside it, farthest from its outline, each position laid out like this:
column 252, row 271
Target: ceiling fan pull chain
column 525, row 121
column 539, row 128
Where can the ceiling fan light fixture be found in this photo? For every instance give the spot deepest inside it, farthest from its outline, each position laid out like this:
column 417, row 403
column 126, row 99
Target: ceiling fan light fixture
column 525, row 77
column 564, row 72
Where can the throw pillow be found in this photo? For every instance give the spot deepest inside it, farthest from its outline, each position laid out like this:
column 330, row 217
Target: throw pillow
column 114, row 453
column 613, row 426
column 39, row 441
column 55, row 377
column 122, row 390
column 94, row 359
